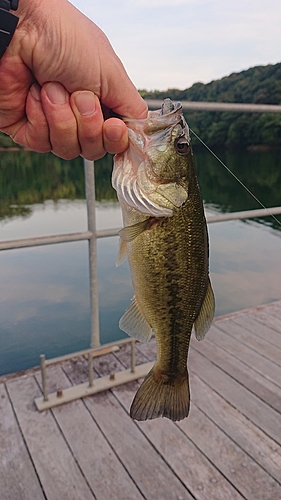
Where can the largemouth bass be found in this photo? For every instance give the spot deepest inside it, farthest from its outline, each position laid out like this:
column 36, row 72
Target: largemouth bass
column 166, row 240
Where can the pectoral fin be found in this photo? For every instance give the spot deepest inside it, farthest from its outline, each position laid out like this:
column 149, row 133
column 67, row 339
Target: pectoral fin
column 134, row 323
column 129, row 233
column 122, row 253
column 204, row 319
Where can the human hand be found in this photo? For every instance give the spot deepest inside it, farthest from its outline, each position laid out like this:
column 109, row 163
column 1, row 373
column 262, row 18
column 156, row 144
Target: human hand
column 54, row 76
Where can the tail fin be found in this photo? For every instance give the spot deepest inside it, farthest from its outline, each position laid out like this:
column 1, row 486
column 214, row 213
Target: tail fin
column 159, row 397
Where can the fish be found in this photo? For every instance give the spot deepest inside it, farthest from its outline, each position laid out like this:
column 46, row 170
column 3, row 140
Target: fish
column 165, row 238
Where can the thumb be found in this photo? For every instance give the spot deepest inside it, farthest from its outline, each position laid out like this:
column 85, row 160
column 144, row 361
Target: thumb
column 121, row 95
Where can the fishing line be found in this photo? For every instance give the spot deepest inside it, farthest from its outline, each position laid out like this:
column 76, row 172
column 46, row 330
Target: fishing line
column 235, row 177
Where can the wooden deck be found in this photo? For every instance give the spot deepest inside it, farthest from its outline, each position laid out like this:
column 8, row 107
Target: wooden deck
column 228, row 447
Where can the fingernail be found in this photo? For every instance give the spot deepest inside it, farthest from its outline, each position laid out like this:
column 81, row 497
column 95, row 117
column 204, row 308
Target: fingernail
column 85, row 102
column 56, row 93
column 35, row 90
column 113, row 133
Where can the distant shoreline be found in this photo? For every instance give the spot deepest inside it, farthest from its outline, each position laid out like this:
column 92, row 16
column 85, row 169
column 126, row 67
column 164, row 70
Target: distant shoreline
column 262, row 148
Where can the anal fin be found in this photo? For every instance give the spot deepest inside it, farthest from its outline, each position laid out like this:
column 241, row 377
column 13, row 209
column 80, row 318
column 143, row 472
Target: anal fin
column 134, row 323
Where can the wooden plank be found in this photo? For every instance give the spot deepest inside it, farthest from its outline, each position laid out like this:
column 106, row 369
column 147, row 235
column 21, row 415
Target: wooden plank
column 265, row 451
column 252, row 324
column 244, row 473
column 276, row 310
column 256, row 410
column 199, row 475
column 251, row 310
column 256, row 383
column 219, row 448
column 255, row 442
column 56, row 467
column 254, row 360
column 265, row 417
column 267, row 317
column 124, row 354
column 251, row 340
column 18, row 480
column 148, row 349
column 151, row 474
column 100, row 465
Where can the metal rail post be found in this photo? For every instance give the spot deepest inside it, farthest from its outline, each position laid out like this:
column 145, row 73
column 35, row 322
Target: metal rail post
column 94, row 300
column 133, row 356
column 44, row 377
column 90, row 369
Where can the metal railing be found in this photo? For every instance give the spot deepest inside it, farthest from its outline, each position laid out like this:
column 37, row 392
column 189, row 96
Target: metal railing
column 91, row 235
column 221, row 106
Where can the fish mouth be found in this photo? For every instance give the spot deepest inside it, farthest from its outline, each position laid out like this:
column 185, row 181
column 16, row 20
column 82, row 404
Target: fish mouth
column 169, row 107
column 156, row 130
column 169, row 114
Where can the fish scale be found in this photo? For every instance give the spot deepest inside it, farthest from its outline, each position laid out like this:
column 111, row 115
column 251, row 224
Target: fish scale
column 168, row 257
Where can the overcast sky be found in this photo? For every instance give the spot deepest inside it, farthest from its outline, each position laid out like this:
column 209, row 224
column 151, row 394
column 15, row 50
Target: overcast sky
column 175, row 43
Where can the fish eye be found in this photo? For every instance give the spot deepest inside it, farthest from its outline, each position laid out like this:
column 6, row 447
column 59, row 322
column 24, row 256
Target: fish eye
column 181, row 145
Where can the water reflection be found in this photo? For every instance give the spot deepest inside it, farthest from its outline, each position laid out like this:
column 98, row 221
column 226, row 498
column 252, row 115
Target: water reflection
column 44, row 293
column 28, row 178
column 245, row 264
column 260, row 172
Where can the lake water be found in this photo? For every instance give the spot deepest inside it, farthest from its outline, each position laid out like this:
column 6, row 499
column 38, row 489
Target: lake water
column 44, row 292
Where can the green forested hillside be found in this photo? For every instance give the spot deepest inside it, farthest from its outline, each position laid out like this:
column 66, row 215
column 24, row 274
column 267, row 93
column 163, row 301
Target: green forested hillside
column 261, row 84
